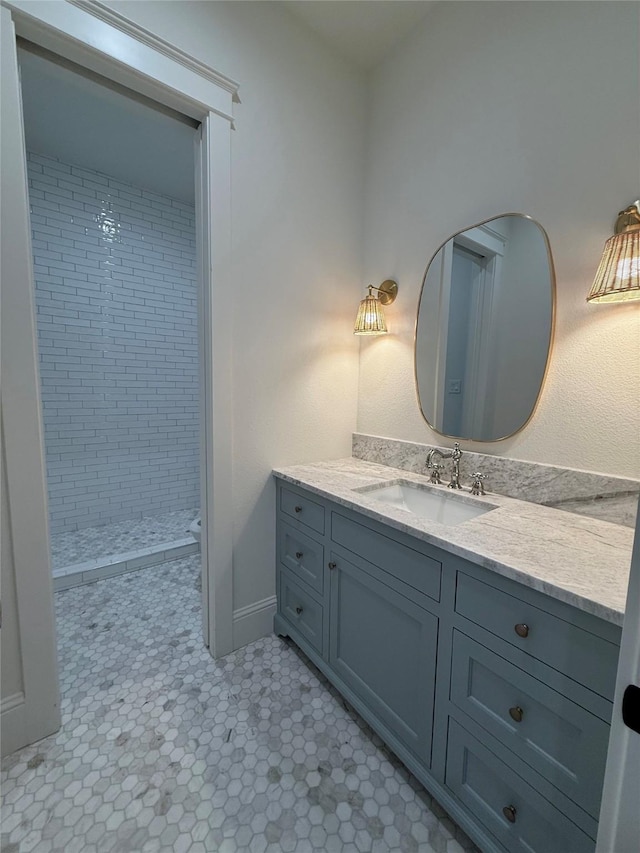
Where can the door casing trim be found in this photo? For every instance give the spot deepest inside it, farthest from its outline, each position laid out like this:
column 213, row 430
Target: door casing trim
column 97, row 38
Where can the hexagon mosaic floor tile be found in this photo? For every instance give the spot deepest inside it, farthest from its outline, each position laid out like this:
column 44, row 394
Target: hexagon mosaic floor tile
column 163, row 749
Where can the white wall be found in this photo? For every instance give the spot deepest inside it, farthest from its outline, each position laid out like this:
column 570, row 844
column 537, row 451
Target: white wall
column 491, row 108
column 297, row 171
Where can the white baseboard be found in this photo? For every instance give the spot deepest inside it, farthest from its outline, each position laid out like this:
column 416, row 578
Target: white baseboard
column 253, row 622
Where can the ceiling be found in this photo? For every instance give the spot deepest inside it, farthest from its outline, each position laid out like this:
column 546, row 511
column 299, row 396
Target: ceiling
column 362, row 31
column 87, row 123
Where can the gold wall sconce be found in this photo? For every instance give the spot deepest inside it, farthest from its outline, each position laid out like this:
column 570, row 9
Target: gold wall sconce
column 618, row 276
column 370, row 319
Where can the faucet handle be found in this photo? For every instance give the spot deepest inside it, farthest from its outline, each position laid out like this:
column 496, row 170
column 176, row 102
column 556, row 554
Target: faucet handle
column 435, row 473
column 477, row 486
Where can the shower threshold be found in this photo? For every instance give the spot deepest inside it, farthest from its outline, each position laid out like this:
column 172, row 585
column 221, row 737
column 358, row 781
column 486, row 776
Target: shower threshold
column 94, row 553
column 118, row 564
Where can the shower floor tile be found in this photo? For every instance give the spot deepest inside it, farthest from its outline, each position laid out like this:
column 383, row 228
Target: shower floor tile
column 163, row 749
column 91, row 543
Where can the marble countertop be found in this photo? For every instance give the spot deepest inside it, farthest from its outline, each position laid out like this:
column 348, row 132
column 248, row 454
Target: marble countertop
column 581, row 561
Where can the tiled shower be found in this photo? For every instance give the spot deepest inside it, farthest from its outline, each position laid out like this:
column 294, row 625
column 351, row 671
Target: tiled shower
column 114, row 268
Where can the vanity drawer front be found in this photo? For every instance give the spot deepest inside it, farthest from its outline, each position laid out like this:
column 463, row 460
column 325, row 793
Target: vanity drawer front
column 487, row 787
column 407, row 565
column 303, row 509
column 301, row 610
column 303, row 556
column 557, row 737
column 583, row 656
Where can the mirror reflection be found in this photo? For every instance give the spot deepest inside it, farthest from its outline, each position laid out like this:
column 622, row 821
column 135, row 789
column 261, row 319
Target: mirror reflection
column 484, row 327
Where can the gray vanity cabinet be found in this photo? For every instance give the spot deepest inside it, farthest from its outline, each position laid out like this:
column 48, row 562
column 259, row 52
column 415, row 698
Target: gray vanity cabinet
column 497, row 697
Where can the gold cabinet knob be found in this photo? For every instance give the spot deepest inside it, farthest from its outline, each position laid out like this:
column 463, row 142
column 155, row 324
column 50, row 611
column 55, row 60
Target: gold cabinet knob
column 521, row 630
column 516, row 713
column 510, row 813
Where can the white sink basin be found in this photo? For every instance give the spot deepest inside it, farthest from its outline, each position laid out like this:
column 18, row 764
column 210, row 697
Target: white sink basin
column 434, row 505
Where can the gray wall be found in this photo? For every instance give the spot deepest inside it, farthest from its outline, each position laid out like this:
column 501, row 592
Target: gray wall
column 117, row 330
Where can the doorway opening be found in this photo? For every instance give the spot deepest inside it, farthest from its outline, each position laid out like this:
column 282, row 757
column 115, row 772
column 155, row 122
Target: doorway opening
column 103, row 42
column 112, row 199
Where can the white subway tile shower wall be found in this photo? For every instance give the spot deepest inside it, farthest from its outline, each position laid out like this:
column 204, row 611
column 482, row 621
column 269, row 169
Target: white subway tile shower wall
column 117, row 331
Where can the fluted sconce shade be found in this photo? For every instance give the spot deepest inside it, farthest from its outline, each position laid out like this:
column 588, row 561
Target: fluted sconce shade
column 370, row 319
column 618, row 276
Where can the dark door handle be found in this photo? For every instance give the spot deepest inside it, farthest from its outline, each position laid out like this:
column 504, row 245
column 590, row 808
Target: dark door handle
column 631, row 707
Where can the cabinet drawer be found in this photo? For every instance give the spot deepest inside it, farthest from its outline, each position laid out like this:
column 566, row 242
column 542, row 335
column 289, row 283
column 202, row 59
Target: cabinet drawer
column 302, row 509
column 557, row 737
column 407, row 565
column 486, row 786
column 302, row 555
column 301, row 610
column 583, row 656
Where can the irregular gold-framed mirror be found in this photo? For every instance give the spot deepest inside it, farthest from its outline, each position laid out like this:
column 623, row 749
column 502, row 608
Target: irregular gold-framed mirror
column 484, row 329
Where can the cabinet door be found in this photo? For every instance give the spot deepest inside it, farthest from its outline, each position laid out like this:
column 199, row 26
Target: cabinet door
column 384, row 648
